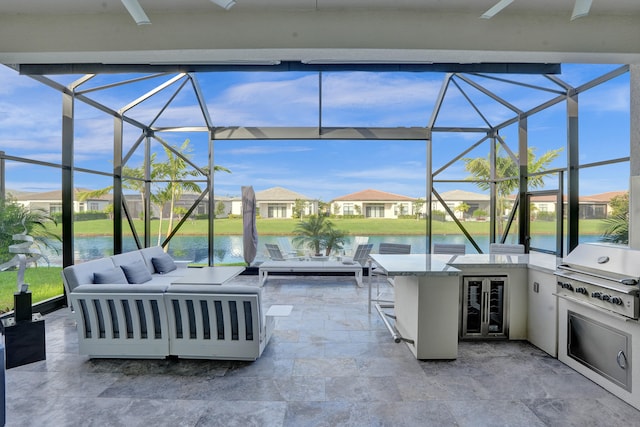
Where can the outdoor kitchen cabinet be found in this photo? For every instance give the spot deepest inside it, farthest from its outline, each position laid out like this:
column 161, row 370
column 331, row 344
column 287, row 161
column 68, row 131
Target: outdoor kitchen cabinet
column 542, row 311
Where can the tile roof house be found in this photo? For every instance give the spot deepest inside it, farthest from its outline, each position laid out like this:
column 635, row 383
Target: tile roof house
column 51, row 201
column 455, row 198
column 372, row 204
column 595, row 206
column 278, row 202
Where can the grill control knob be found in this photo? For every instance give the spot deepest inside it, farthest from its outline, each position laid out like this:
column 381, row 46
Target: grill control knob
column 596, row 295
column 616, row 301
column 606, row 297
column 582, row 290
column 567, row 286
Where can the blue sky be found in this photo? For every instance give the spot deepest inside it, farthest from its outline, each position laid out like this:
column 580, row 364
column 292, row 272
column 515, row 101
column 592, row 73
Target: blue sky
column 30, row 126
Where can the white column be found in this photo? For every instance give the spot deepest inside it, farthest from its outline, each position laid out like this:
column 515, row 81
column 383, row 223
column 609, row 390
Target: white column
column 634, row 167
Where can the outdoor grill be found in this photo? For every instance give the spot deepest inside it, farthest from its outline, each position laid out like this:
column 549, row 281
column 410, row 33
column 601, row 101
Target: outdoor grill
column 602, row 275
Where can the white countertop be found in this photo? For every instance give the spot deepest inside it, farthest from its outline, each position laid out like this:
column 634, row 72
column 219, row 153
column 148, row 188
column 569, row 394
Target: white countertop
column 413, row 265
column 545, row 262
column 483, row 260
column 426, row 264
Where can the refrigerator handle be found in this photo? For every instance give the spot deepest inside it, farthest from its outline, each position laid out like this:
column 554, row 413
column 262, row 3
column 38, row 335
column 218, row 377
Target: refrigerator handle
column 485, row 306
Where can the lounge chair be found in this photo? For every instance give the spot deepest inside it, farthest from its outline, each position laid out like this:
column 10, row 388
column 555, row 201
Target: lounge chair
column 286, row 248
column 274, row 252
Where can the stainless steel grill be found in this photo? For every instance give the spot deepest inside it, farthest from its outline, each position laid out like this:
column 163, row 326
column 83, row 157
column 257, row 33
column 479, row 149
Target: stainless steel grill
column 602, row 275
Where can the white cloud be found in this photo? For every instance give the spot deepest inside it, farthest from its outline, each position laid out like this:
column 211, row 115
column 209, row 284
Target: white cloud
column 11, row 81
column 36, row 186
column 377, row 90
column 382, row 174
column 607, row 98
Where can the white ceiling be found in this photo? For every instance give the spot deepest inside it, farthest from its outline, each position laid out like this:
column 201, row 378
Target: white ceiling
column 198, row 31
column 607, row 7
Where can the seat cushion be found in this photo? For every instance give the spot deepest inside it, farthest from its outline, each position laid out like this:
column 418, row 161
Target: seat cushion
column 113, row 275
column 136, row 272
column 163, row 264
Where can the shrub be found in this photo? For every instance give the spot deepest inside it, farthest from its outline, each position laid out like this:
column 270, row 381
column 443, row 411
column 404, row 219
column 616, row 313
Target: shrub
column 438, row 215
column 546, row 216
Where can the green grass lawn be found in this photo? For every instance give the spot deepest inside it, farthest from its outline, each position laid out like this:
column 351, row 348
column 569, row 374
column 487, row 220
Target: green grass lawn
column 44, row 283
column 366, row 227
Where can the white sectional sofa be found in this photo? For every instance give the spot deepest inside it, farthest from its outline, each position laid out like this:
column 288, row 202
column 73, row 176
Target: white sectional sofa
column 155, row 318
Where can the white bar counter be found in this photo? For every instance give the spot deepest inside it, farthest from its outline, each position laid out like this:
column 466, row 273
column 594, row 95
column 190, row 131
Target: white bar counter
column 427, row 295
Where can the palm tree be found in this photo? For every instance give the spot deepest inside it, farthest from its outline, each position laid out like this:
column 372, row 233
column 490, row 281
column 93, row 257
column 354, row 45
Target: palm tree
column 160, row 198
column 15, row 218
column 311, row 233
column 174, row 169
column 463, row 208
column 334, row 239
column 135, row 183
column 617, row 229
column 505, row 167
column 617, row 224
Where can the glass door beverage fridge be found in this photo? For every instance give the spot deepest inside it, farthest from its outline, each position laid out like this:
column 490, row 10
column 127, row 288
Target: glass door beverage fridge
column 483, row 307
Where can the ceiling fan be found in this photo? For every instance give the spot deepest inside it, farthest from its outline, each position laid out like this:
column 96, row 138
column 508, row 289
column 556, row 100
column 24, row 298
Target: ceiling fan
column 580, row 8
column 141, row 18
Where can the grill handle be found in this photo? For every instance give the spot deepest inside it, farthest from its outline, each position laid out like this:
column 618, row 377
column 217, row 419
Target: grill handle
column 627, row 281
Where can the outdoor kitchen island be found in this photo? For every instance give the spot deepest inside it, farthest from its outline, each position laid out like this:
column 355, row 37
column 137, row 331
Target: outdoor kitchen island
column 427, row 294
column 430, row 300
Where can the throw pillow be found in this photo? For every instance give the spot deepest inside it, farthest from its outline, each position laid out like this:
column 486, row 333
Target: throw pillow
column 113, row 275
column 136, row 272
column 163, row 264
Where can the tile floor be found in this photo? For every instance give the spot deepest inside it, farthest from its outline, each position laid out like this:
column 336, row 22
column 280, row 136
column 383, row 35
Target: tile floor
column 328, row 364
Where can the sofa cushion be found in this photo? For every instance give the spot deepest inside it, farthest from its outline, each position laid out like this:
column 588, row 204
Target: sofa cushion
column 136, row 272
column 163, row 264
column 112, row 275
column 128, row 258
column 82, row 273
column 151, row 252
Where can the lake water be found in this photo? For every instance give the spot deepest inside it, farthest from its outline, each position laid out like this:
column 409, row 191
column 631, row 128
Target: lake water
column 228, row 249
